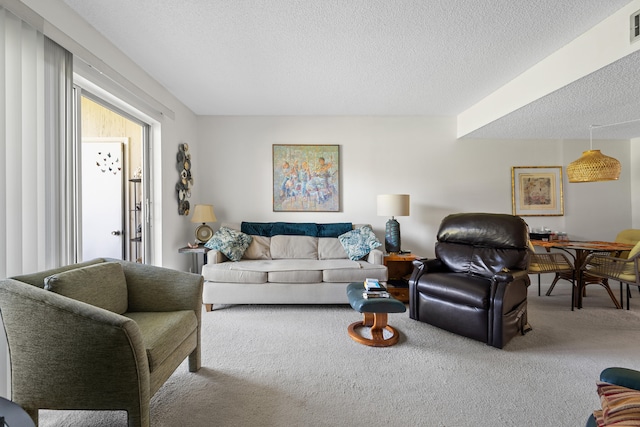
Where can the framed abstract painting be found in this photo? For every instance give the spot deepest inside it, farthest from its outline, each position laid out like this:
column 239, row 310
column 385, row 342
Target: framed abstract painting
column 537, row 191
column 306, row 178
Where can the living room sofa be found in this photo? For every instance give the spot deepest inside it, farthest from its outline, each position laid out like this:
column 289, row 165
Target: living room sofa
column 99, row 335
column 289, row 263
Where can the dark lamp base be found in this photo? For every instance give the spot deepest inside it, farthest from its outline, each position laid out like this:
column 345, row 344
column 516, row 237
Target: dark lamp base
column 392, row 236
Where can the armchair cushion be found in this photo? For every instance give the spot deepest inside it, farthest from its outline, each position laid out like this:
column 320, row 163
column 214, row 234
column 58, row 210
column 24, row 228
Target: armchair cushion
column 157, row 326
column 102, row 285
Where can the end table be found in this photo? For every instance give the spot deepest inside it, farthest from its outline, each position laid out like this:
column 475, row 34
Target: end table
column 399, row 268
column 195, row 257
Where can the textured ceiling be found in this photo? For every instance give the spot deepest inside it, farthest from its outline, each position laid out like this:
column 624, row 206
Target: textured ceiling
column 367, row 57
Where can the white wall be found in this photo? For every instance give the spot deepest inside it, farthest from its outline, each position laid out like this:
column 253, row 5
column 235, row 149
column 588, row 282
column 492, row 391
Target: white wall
column 599, row 210
column 416, row 155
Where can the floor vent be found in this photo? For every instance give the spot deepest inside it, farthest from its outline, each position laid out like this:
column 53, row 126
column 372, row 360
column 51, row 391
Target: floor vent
column 635, row 27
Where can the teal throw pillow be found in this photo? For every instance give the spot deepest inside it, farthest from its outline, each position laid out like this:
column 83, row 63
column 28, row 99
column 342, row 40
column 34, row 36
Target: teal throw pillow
column 359, row 242
column 232, row 243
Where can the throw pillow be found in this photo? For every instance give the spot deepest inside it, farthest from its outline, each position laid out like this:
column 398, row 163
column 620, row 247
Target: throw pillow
column 103, row 285
column 232, row 243
column 359, row 242
column 620, row 405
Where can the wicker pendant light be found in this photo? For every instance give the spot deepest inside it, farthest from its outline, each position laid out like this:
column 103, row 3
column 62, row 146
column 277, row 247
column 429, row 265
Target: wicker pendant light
column 593, row 166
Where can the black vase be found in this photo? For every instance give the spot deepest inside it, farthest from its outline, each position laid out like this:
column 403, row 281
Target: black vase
column 392, row 236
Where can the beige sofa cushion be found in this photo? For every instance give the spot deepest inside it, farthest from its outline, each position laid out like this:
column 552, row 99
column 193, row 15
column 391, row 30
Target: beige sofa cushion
column 341, row 275
column 294, row 247
column 296, row 276
column 259, row 248
column 102, row 285
column 225, row 272
column 331, row 248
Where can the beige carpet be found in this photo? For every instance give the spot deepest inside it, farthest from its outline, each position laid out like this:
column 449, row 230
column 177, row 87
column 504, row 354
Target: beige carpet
column 296, row 366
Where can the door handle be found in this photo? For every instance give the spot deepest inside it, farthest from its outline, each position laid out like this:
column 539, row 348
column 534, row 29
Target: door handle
column 116, row 233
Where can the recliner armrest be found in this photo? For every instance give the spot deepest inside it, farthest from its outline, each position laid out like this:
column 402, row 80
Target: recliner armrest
column 422, row 266
column 432, row 264
column 510, row 275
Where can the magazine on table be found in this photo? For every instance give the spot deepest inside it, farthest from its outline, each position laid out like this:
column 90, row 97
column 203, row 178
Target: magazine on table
column 373, row 285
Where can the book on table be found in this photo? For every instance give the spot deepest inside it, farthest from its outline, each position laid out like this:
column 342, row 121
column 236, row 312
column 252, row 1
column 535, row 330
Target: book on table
column 373, row 285
column 375, row 294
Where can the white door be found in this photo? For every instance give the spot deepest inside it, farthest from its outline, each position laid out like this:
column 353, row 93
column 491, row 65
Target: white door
column 102, row 200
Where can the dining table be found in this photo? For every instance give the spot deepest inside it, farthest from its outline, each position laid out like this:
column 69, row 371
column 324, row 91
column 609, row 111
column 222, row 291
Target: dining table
column 579, row 250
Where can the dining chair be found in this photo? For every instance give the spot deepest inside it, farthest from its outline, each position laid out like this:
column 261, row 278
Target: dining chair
column 623, row 270
column 630, row 236
column 553, row 262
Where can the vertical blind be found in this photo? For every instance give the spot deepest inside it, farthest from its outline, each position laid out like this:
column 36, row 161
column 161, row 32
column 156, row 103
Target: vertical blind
column 35, row 122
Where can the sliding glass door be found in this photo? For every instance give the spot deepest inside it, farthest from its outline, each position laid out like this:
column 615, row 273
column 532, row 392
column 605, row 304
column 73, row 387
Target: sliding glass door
column 111, row 200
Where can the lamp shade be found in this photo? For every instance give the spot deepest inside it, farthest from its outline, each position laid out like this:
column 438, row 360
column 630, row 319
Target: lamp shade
column 593, row 166
column 203, row 213
column 393, row 205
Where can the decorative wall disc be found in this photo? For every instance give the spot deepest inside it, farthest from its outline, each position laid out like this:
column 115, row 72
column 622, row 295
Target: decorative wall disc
column 185, row 182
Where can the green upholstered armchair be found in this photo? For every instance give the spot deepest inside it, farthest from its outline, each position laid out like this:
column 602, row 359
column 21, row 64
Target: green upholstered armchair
column 101, row 335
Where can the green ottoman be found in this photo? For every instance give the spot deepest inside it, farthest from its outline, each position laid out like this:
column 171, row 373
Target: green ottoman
column 375, row 311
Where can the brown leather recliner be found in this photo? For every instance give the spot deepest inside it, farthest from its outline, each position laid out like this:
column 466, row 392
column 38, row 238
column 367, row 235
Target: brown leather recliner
column 477, row 284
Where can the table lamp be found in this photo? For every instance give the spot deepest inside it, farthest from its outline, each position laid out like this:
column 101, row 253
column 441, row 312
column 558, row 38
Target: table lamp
column 203, row 214
column 393, row 205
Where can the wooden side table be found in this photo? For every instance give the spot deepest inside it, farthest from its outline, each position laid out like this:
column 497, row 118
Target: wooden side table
column 399, row 268
column 195, row 257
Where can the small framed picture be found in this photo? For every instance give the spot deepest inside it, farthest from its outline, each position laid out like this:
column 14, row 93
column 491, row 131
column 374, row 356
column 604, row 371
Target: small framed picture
column 537, row 191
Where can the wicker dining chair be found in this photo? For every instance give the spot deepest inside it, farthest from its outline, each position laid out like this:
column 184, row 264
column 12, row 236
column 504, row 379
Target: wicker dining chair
column 630, row 236
column 553, row 262
column 623, row 270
